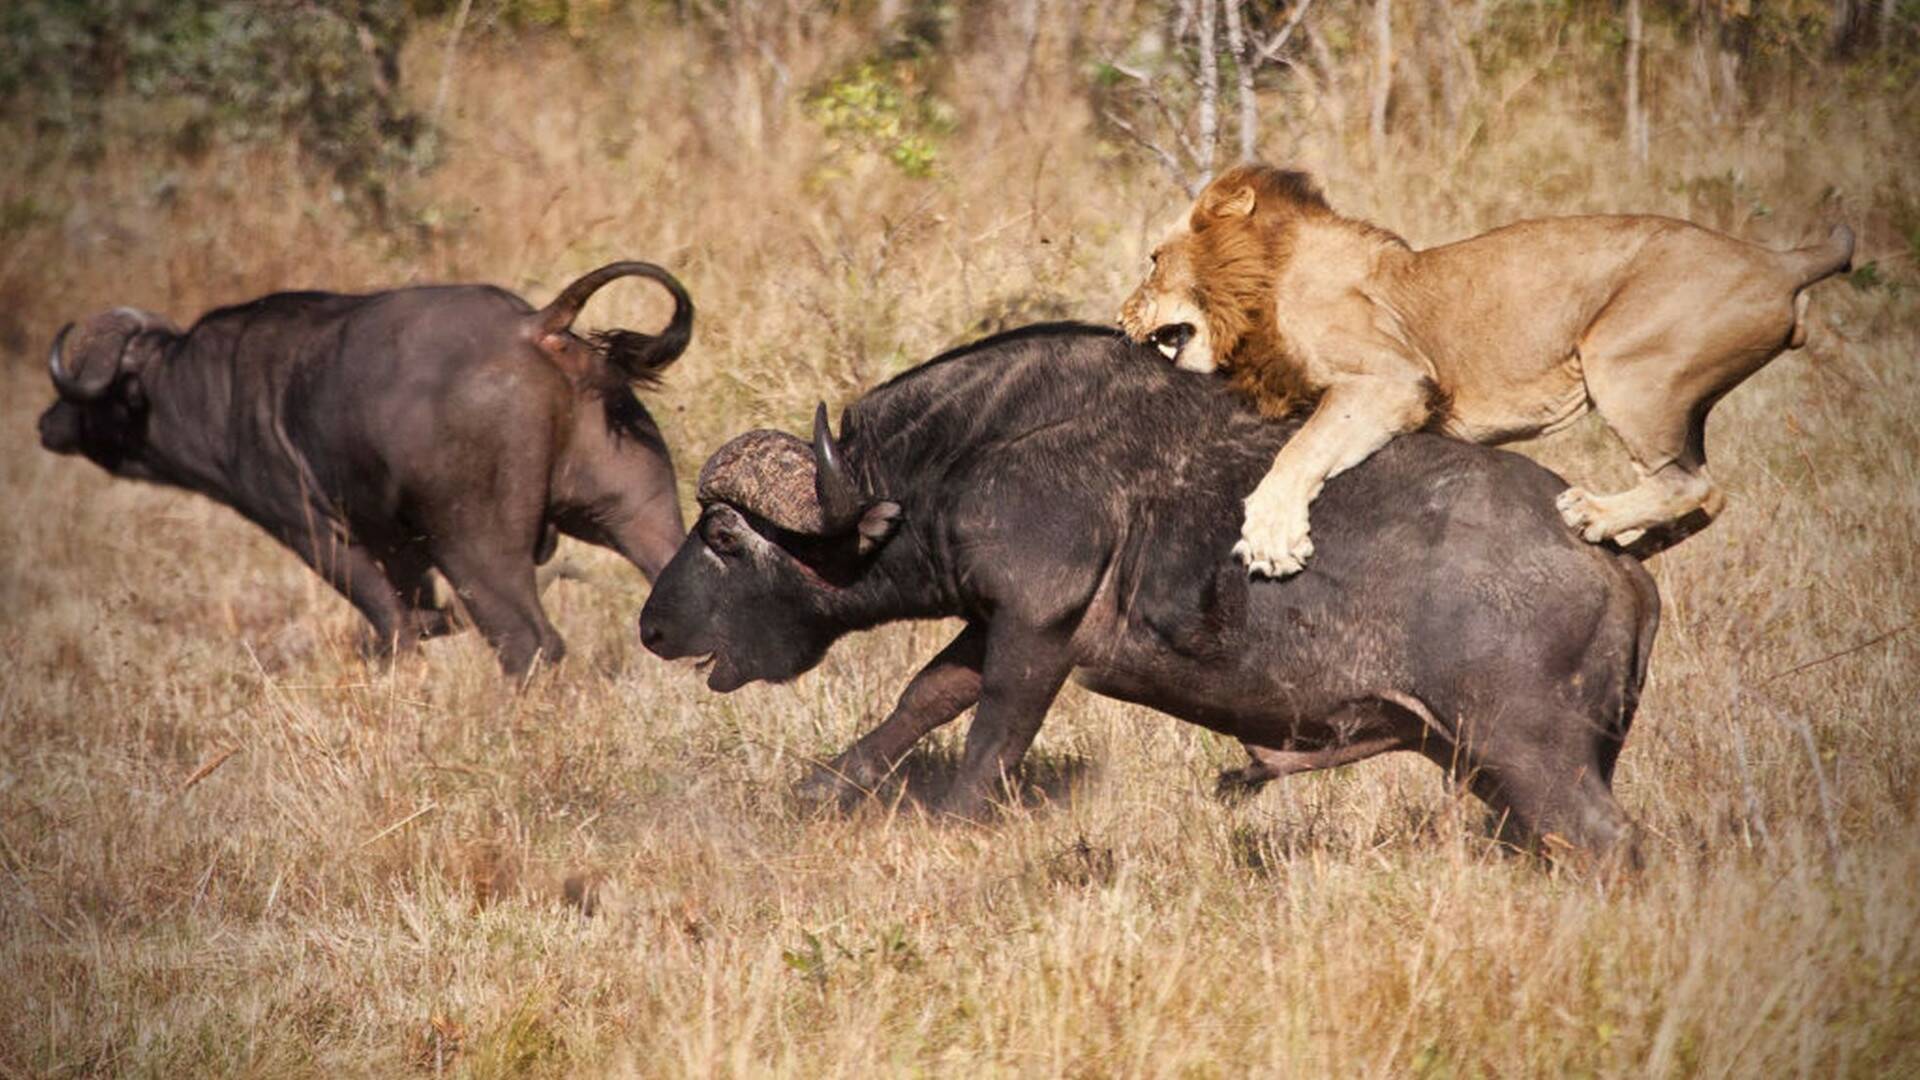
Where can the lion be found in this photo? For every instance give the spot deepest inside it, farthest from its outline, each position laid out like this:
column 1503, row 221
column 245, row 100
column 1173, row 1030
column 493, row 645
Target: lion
column 1507, row 335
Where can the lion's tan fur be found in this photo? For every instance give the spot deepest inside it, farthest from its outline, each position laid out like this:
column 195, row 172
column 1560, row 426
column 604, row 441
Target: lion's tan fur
column 1505, row 335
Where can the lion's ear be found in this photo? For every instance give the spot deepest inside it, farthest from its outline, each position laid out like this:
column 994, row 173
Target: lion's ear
column 1237, row 202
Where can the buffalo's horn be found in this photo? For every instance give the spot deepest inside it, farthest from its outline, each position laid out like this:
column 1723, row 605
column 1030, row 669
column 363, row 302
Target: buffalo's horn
column 55, row 365
column 89, row 383
column 841, row 503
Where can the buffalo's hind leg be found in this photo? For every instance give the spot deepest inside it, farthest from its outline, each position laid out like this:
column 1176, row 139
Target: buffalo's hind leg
column 617, row 490
column 1267, row 764
column 410, row 568
column 493, row 574
column 1353, row 732
column 1555, row 799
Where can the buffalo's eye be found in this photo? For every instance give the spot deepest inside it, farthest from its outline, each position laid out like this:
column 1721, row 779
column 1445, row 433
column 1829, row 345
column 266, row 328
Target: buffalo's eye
column 724, row 539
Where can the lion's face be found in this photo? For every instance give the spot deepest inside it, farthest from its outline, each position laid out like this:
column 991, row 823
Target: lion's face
column 1165, row 310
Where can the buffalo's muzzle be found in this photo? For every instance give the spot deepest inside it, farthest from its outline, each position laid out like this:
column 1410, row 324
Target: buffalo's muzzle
column 60, row 430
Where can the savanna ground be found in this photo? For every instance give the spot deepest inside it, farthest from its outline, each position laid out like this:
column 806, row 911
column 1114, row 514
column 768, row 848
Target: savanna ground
column 230, row 846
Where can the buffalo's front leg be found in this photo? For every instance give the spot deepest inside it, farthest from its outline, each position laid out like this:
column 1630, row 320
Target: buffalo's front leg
column 356, row 574
column 946, row 687
column 1023, row 670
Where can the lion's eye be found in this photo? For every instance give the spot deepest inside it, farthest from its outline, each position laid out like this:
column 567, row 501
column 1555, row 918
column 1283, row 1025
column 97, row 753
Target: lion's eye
column 1153, row 258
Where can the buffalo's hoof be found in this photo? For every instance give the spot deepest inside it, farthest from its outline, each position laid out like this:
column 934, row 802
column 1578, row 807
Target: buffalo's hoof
column 1238, row 785
column 826, row 786
column 966, row 807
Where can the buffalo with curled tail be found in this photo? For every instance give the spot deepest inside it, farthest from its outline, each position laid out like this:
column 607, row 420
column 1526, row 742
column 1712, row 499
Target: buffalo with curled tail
column 381, row 436
column 1073, row 499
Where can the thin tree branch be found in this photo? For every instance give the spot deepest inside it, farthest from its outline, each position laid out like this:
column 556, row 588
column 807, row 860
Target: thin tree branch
column 1243, row 79
column 1830, row 657
column 1271, row 50
column 1160, row 153
column 1382, row 80
column 1209, row 85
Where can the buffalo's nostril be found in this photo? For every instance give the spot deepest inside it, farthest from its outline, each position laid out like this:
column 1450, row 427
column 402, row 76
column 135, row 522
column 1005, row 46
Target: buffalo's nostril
column 652, row 637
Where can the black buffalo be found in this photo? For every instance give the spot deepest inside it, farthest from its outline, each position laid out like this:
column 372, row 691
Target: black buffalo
column 379, row 436
column 1071, row 497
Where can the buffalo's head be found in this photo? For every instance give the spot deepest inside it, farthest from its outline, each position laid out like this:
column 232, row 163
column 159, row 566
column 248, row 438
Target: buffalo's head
column 97, row 369
column 757, row 588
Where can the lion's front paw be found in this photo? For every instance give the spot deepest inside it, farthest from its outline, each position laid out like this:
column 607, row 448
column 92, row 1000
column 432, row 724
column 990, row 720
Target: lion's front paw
column 1274, row 540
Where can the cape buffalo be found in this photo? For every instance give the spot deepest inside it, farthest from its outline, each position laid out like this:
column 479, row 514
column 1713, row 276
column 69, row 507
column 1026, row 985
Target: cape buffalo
column 1073, row 498
column 378, row 436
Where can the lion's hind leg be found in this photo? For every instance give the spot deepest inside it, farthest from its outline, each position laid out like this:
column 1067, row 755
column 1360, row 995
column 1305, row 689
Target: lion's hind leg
column 1663, row 497
column 1674, row 483
column 1655, row 363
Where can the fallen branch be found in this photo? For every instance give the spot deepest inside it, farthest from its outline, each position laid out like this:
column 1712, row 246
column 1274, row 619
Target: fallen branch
column 398, row 825
column 206, row 769
column 1830, row 657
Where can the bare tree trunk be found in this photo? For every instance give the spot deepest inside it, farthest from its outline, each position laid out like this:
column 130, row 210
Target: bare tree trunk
column 1183, row 19
column 1335, row 100
column 1844, row 26
column 1237, row 40
column 1382, row 80
column 1637, row 141
column 1886, row 23
column 1209, row 88
column 1702, row 65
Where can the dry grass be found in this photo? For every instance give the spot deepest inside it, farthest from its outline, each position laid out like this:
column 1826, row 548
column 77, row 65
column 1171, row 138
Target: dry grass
column 230, row 847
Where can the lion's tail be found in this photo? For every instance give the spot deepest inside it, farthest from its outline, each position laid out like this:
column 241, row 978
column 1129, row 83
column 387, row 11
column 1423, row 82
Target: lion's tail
column 1823, row 260
column 1812, row 263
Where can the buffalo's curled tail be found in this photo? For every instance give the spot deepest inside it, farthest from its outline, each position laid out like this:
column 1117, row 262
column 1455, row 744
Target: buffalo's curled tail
column 640, row 357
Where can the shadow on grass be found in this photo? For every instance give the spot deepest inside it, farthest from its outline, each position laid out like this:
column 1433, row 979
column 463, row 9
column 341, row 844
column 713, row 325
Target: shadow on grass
column 924, row 777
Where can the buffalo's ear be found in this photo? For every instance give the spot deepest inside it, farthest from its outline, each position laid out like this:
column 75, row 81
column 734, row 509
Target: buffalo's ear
column 877, row 523
column 1237, row 202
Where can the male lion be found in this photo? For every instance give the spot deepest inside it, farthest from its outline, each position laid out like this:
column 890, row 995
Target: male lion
column 1506, row 335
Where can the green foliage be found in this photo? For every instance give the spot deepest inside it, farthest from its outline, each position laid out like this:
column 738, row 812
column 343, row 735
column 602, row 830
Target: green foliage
column 881, row 108
column 324, row 73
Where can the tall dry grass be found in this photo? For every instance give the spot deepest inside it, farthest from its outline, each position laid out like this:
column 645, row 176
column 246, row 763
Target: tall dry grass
column 228, row 846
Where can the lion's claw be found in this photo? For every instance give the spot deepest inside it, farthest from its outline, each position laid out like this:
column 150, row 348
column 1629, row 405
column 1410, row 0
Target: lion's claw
column 1584, row 512
column 1274, row 561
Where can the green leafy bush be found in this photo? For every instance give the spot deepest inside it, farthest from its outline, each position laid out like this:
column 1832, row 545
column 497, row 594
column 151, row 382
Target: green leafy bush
column 876, row 107
column 323, row 72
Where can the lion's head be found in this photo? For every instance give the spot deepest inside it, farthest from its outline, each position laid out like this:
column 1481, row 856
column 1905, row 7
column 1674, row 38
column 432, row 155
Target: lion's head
column 1210, row 290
